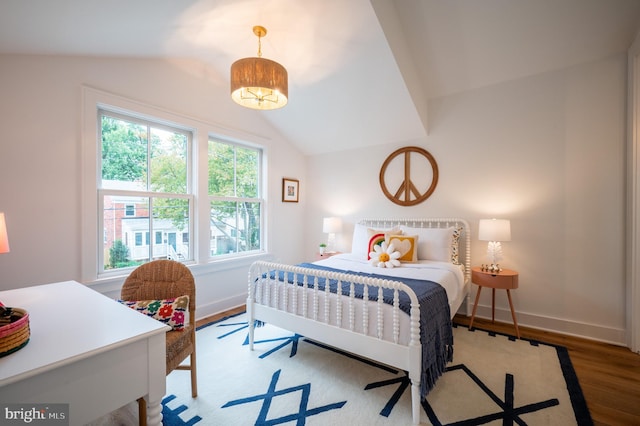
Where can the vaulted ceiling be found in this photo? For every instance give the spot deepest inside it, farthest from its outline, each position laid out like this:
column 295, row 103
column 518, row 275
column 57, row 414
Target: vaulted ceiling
column 360, row 71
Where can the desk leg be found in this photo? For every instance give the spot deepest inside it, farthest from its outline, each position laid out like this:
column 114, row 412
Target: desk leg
column 157, row 385
column 154, row 412
column 513, row 313
column 475, row 307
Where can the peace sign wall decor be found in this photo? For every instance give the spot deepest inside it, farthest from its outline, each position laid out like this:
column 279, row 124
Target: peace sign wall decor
column 409, row 193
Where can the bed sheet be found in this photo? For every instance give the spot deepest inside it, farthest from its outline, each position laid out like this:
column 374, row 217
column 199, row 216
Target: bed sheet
column 448, row 275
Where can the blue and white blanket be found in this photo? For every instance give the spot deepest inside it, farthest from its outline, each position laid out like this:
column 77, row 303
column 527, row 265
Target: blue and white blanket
column 436, row 335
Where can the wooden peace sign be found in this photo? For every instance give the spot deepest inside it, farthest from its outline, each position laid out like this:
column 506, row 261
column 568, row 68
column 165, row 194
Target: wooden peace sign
column 407, row 193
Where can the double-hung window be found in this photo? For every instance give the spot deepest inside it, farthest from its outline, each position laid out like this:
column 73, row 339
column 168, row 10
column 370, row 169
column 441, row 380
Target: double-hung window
column 157, row 185
column 144, row 189
column 235, row 198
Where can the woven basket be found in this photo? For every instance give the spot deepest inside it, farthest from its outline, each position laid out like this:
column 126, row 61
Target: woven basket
column 14, row 335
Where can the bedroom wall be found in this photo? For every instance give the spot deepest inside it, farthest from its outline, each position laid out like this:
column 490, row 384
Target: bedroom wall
column 40, row 154
column 546, row 152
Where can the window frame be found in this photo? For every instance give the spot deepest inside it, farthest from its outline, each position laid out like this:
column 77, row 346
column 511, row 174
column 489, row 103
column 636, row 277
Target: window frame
column 92, row 101
column 148, row 194
column 260, row 199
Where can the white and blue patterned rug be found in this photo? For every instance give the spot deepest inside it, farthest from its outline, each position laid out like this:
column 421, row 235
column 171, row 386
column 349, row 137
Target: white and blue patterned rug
column 289, row 380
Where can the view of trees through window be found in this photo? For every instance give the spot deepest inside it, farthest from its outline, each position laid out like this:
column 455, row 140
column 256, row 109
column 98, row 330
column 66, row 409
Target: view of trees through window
column 147, row 197
column 144, row 191
column 234, row 191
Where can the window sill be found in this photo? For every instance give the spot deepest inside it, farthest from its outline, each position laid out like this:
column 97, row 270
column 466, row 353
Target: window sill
column 111, row 284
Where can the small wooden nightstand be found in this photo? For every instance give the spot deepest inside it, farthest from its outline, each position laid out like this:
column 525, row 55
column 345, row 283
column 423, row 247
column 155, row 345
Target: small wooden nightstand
column 326, row 255
column 505, row 279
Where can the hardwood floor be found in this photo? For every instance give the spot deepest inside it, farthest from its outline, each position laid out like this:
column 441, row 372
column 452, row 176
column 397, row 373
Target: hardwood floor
column 609, row 375
column 218, row 317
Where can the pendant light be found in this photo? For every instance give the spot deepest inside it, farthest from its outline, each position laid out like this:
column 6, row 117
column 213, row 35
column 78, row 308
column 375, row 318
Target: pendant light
column 259, row 83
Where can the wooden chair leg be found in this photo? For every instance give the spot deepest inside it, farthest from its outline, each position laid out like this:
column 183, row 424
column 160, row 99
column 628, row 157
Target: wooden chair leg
column 194, row 377
column 142, row 412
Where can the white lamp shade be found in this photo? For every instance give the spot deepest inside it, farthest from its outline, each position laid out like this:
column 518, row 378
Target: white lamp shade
column 331, row 225
column 4, row 238
column 494, row 230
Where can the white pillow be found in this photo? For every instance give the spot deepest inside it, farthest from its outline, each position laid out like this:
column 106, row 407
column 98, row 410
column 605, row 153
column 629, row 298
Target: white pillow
column 433, row 243
column 361, row 236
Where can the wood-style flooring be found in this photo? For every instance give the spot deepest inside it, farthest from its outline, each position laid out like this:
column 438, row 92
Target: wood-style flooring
column 609, row 375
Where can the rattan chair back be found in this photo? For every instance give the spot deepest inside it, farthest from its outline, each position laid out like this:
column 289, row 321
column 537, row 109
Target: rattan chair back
column 161, row 279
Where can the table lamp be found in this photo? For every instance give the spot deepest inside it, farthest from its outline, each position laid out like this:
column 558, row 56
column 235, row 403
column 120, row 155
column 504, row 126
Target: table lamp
column 331, row 226
column 494, row 231
column 4, row 238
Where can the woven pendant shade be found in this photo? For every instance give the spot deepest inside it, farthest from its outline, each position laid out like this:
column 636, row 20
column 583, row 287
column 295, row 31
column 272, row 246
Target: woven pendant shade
column 259, row 83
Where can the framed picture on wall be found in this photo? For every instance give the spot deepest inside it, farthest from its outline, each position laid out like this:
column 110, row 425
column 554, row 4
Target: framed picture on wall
column 290, row 190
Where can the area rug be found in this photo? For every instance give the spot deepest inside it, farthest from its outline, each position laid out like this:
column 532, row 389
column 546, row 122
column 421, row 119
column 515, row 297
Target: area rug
column 290, row 380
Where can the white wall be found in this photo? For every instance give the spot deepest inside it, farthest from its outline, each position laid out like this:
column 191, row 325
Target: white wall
column 40, row 162
column 546, row 152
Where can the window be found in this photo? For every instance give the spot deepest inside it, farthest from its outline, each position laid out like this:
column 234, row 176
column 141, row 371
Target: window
column 144, row 189
column 235, row 198
column 165, row 188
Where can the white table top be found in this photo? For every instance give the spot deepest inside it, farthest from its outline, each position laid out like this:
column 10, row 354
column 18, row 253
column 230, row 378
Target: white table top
column 69, row 322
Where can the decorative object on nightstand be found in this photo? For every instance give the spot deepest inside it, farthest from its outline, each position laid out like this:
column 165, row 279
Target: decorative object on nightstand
column 494, row 231
column 331, row 226
column 321, row 248
column 326, row 255
column 504, row 279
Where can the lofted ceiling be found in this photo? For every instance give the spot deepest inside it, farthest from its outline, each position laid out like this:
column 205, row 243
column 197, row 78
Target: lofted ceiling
column 360, row 71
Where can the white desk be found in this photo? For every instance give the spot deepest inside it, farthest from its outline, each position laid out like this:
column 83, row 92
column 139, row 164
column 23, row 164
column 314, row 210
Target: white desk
column 87, row 351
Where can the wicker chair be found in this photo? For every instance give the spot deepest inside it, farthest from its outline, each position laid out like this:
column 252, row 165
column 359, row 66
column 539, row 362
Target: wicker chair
column 165, row 279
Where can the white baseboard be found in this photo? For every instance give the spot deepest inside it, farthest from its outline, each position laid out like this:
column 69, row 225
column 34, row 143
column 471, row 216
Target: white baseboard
column 111, row 288
column 615, row 336
column 219, row 306
column 596, row 332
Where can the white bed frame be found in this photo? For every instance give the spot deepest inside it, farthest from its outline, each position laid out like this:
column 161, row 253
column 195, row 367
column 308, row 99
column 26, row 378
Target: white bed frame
column 309, row 316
